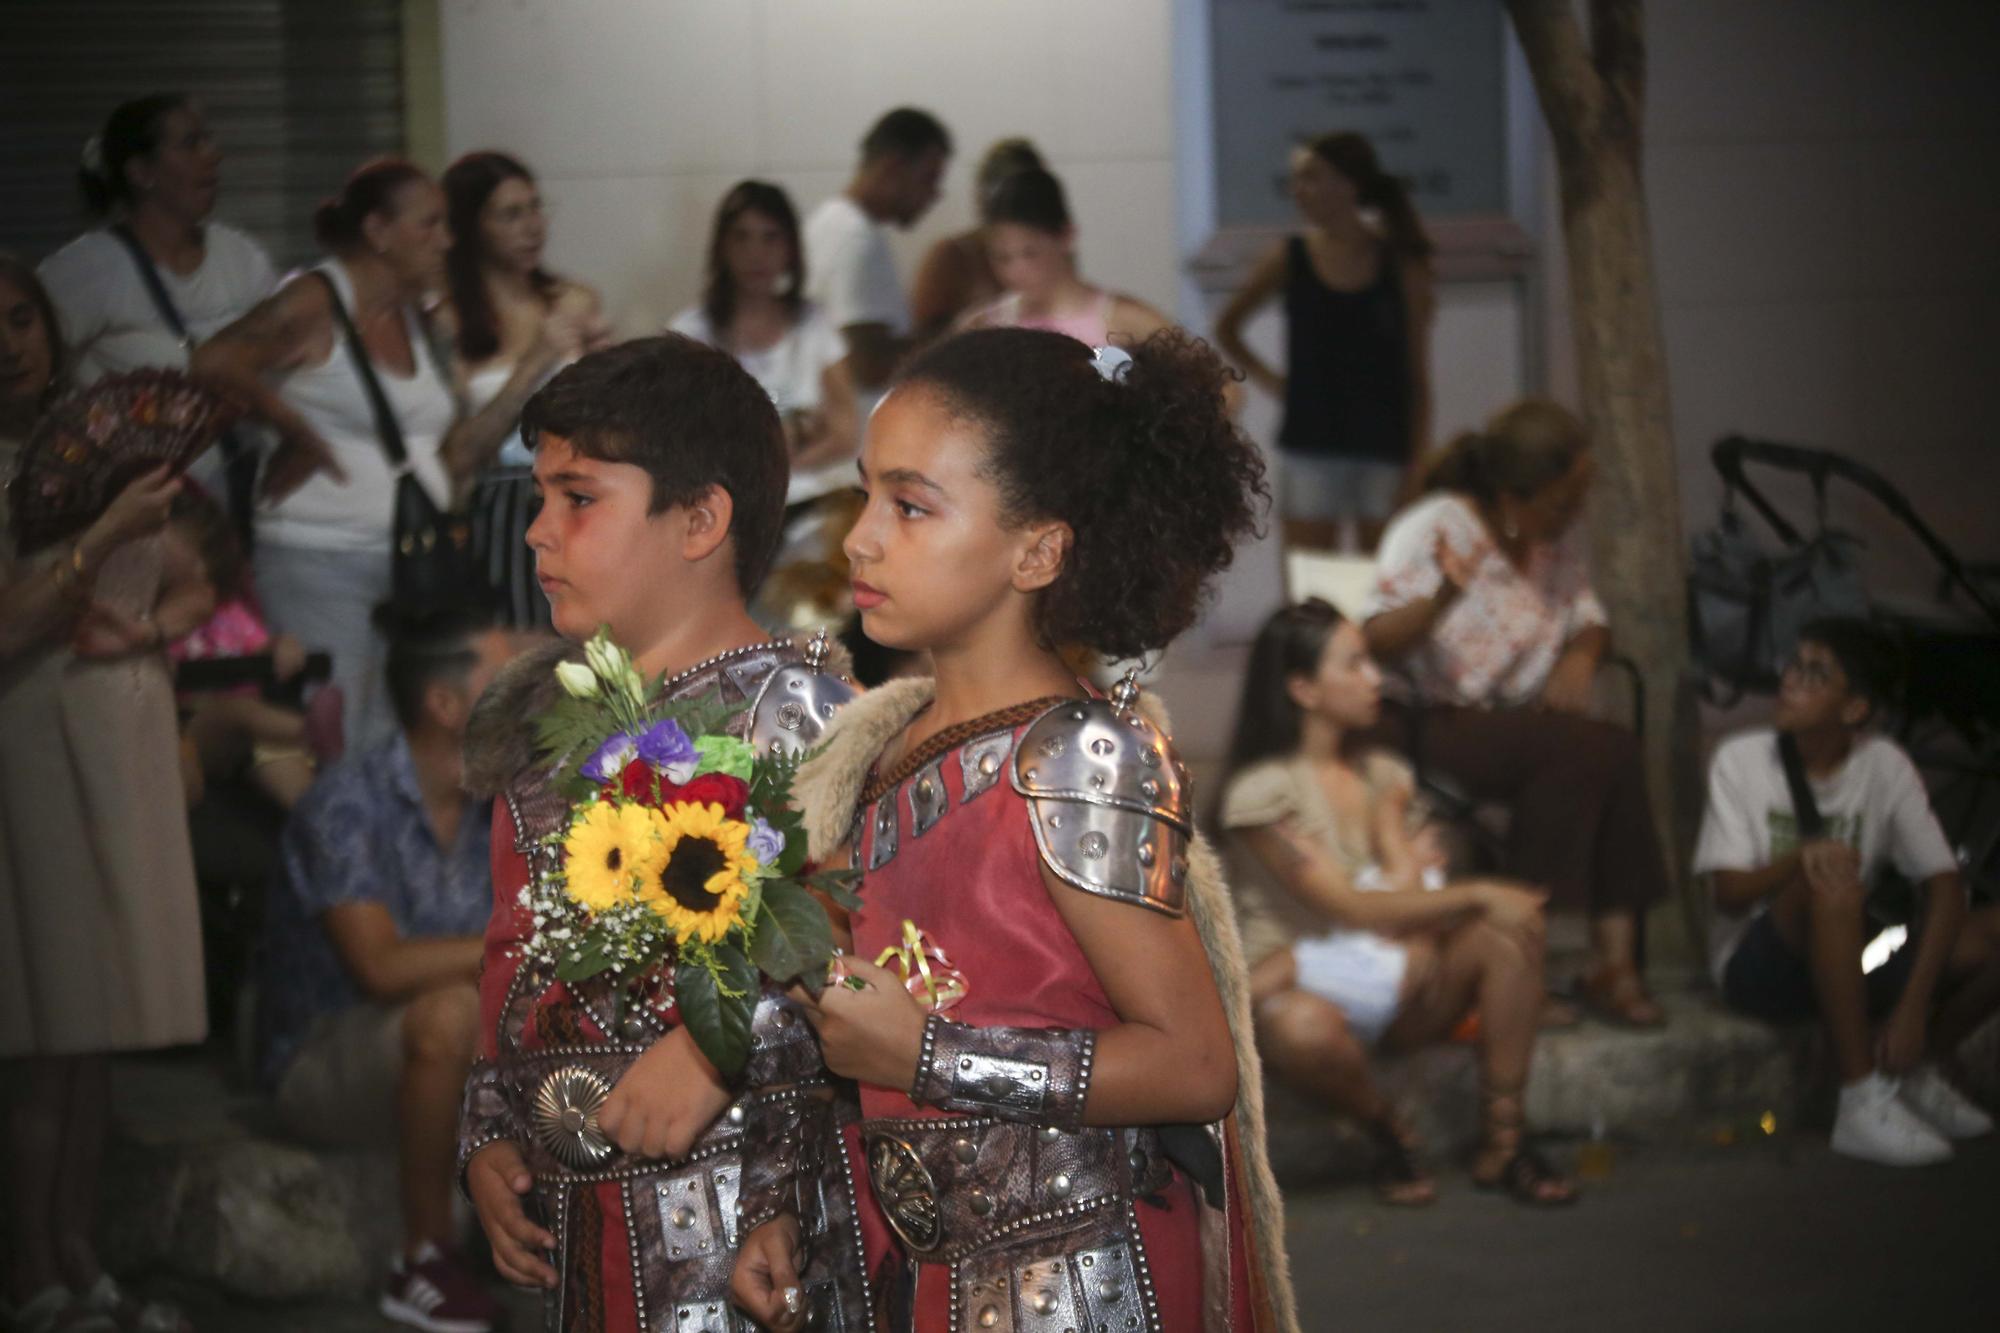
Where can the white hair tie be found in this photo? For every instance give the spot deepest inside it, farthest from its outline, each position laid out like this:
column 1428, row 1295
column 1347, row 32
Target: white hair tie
column 93, row 155
column 1113, row 363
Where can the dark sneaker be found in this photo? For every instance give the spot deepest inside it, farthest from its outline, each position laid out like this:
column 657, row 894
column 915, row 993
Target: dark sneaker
column 436, row 1291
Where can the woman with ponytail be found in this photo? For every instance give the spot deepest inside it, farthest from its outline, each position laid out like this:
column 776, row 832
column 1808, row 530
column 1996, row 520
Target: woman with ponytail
column 158, row 275
column 1358, row 300
column 1483, row 612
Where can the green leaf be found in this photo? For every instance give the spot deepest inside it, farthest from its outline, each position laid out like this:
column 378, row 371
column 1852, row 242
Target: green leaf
column 843, row 886
column 585, row 962
column 793, row 936
column 718, row 1022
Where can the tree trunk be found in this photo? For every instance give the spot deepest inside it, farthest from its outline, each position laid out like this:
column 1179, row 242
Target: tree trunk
column 1592, row 96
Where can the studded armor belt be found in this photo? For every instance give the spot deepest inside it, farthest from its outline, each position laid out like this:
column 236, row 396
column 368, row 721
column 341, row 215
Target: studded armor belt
column 954, row 1187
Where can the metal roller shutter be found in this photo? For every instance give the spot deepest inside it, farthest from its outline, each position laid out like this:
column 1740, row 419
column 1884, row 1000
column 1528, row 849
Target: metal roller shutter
column 298, row 92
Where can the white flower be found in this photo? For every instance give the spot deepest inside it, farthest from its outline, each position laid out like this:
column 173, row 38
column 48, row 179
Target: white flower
column 578, row 680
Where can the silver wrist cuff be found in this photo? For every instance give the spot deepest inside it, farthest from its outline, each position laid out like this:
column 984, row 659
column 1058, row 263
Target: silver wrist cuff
column 1037, row 1076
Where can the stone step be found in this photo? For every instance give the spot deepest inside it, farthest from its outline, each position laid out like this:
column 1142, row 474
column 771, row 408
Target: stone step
column 1707, row 1069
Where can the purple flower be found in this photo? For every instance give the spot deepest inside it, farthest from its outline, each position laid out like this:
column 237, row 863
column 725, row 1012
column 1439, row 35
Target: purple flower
column 610, row 759
column 667, row 748
column 765, row 843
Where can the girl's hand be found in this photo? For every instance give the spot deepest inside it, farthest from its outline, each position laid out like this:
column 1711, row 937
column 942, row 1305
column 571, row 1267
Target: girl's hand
column 1457, row 569
column 1512, row 908
column 137, row 511
column 766, row 1284
column 873, row 1033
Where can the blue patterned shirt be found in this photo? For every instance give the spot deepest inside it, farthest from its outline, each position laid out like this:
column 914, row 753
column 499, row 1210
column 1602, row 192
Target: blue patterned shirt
column 360, row 835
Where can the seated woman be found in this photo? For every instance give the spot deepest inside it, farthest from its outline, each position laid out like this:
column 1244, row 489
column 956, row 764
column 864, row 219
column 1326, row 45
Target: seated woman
column 1484, row 613
column 1356, row 940
column 1032, row 244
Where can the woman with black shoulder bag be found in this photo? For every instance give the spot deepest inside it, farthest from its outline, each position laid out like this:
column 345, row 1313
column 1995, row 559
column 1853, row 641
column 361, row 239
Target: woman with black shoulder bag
column 358, row 501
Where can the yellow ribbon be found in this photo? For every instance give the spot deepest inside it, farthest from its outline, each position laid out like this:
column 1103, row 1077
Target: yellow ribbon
column 927, row 974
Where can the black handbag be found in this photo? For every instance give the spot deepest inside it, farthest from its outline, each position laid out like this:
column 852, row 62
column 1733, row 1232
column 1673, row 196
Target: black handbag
column 239, row 459
column 431, row 558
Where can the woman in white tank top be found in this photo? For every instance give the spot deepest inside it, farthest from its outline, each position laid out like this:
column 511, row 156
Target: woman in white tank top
column 324, row 526
column 513, row 324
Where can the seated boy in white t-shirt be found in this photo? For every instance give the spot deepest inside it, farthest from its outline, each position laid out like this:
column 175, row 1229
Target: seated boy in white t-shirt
column 1790, row 919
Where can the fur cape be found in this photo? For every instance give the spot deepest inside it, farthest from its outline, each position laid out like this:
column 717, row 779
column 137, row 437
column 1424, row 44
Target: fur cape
column 828, row 792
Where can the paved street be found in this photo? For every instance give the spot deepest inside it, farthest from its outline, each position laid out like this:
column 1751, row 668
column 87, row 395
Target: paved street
column 1773, row 1235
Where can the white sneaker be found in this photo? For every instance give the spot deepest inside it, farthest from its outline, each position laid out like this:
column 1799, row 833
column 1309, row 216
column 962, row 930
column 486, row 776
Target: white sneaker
column 1875, row 1127
column 1945, row 1108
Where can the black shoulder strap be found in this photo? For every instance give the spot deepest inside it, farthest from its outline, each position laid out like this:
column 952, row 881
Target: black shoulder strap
column 387, row 429
column 150, row 275
column 1805, row 810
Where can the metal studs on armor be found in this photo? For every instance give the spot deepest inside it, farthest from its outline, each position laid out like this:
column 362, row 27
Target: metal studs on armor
column 683, row 1218
column 989, row 1315
column 965, row 1150
column 1059, row 1185
column 1110, row 809
column 980, row 1202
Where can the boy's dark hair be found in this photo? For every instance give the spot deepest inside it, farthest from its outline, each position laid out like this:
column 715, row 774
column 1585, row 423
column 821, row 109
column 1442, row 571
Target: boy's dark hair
column 428, row 646
column 905, row 132
column 1031, row 197
column 692, row 418
column 1147, row 469
column 1869, row 657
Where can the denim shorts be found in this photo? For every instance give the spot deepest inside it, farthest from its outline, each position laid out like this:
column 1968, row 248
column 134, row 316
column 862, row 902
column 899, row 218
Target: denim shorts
column 1326, row 488
column 1766, row 978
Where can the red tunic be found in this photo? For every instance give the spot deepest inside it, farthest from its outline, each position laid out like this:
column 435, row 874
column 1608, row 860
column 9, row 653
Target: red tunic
column 972, row 881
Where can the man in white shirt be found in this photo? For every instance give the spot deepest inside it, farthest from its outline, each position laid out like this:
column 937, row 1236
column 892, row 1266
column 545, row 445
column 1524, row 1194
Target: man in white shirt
column 1790, row 895
column 850, row 272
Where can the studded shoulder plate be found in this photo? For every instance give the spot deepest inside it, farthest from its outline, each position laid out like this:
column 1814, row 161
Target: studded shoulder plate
column 1108, row 800
column 795, row 702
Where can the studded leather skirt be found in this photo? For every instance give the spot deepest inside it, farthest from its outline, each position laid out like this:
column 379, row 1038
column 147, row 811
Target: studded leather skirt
column 1034, row 1228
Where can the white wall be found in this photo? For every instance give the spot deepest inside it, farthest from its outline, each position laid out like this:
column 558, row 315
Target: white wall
column 1826, row 220
column 639, row 114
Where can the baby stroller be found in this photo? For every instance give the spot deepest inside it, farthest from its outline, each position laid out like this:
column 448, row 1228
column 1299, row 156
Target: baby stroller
column 1747, row 602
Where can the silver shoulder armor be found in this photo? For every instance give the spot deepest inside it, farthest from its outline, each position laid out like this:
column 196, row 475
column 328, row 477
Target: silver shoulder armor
column 1108, row 799
column 796, row 702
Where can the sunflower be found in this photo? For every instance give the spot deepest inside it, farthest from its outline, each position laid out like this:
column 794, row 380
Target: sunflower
column 612, row 850
column 698, row 887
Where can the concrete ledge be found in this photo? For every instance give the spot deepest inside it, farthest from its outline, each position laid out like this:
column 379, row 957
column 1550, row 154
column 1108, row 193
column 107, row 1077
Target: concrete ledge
column 197, row 1182
column 1707, row 1068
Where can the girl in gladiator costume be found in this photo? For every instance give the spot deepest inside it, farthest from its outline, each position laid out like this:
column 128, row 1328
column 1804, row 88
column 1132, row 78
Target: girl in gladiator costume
column 1061, row 1116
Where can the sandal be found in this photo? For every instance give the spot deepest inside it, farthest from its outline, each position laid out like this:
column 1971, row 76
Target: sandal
column 1400, row 1178
column 1615, row 994
column 1524, row 1175
column 1527, row 1178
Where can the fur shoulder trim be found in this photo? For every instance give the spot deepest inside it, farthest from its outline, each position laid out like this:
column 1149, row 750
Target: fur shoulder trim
column 500, row 736
column 1214, row 914
column 828, row 787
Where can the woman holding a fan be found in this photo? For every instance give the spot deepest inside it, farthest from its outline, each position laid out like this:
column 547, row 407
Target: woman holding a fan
column 100, row 933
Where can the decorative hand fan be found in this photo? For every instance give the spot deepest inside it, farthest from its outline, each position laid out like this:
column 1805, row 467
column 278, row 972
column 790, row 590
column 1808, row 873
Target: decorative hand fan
column 93, row 442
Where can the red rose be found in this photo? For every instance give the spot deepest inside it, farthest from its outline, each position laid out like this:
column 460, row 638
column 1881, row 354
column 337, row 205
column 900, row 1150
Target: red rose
column 636, row 781
column 732, row 794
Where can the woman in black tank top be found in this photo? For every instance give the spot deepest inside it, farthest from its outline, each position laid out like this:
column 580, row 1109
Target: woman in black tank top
column 1358, row 304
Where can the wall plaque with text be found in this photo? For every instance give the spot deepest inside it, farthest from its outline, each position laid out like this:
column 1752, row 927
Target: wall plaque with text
column 1424, row 80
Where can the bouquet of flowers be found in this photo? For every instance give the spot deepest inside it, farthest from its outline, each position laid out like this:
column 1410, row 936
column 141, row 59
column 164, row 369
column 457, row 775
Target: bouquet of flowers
column 681, row 850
